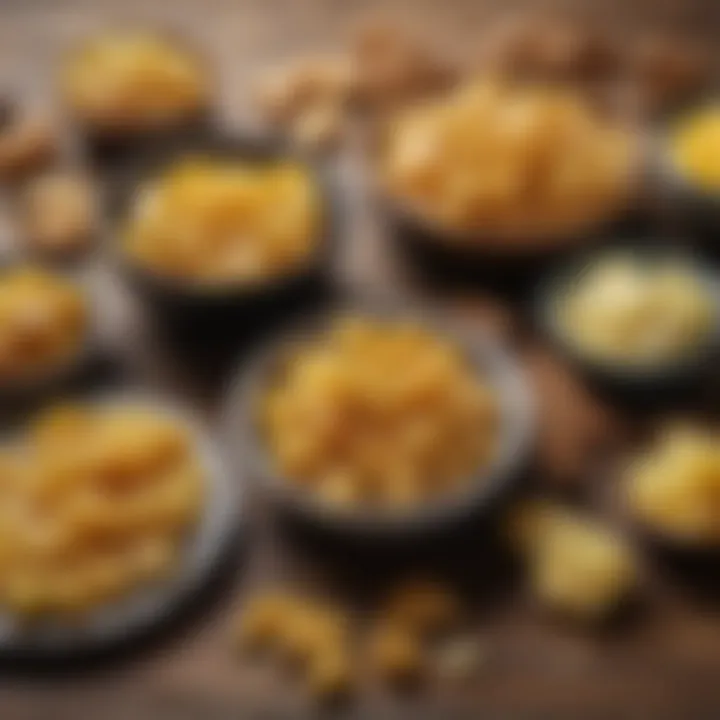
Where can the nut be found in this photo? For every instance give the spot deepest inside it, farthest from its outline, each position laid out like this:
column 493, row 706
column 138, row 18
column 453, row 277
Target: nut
column 396, row 654
column 59, row 213
column 26, row 146
column 319, row 127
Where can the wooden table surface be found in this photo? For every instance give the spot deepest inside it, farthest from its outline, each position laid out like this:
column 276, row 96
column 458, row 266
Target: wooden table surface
column 663, row 662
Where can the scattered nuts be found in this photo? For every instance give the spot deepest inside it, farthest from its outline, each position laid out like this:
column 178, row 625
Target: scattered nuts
column 286, row 93
column 59, row 213
column 320, row 127
column 391, row 68
column 548, row 48
column 25, row 146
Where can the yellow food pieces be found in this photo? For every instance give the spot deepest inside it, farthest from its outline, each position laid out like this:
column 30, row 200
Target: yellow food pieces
column 379, row 413
column 134, row 81
column 43, row 321
column 396, row 654
column 630, row 311
column 304, row 633
column 578, row 567
column 695, row 147
column 674, row 488
column 94, row 502
column 507, row 161
column 424, row 607
column 217, row 221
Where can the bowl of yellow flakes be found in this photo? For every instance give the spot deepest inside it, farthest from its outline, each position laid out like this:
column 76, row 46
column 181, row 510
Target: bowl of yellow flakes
column 114, row 510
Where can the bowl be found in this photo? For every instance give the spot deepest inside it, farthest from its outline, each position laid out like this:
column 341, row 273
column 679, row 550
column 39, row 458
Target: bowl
column 486, row 491
column 505, row 261
column 498, row 263
column 125, row 619
column 694, row 209
column 106, row 145
column 192, row 306
column 16, row 392
column 641, row 385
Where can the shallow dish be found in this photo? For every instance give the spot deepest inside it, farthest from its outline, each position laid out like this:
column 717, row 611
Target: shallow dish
column 638, row 384
column 142, row 610
column 188, row 304
column 493, row 484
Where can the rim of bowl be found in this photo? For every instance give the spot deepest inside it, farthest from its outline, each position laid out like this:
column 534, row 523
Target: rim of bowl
column 504, row 373
column 87, row 347
column 561, row 280
column 145, row 606
column 139, row 171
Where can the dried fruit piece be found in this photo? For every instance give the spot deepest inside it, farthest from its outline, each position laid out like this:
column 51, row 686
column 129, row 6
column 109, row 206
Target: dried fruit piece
column 578, row 566
column 59, row 213
column 286, row 93
column 263, row 622
column 396, row 654
column 319, row 127
column 391, row 68
column 26, row 146
column 425, row 607
column 330, row 675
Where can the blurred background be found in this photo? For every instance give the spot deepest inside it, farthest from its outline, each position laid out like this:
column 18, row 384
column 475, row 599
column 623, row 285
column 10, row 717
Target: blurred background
column 664, row 665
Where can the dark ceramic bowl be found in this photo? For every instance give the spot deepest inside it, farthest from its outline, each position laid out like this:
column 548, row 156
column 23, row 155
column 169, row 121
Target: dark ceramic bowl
column 192, row 305
column 692, row 208
column 511, row 263
column 513, row 267
column 485, row 492
column 676, row 380
column 56, row 376
column 106, row 145
column 141, row 611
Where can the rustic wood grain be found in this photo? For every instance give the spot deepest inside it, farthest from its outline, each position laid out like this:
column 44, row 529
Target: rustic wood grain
column 664, row 662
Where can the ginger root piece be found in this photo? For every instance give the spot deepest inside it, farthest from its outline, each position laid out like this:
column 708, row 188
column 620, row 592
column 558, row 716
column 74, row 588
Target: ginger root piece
column 424, row 607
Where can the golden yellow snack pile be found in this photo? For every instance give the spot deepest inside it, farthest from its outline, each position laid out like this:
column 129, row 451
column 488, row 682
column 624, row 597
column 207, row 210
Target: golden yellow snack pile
column 509, row 163
column 695, row 148
column 675, row 487
column 225, row 221
column 628, row 311
column 578, row 567
column 94, row 503
column 379, row 413
column 131, row 81
column 43, row 322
